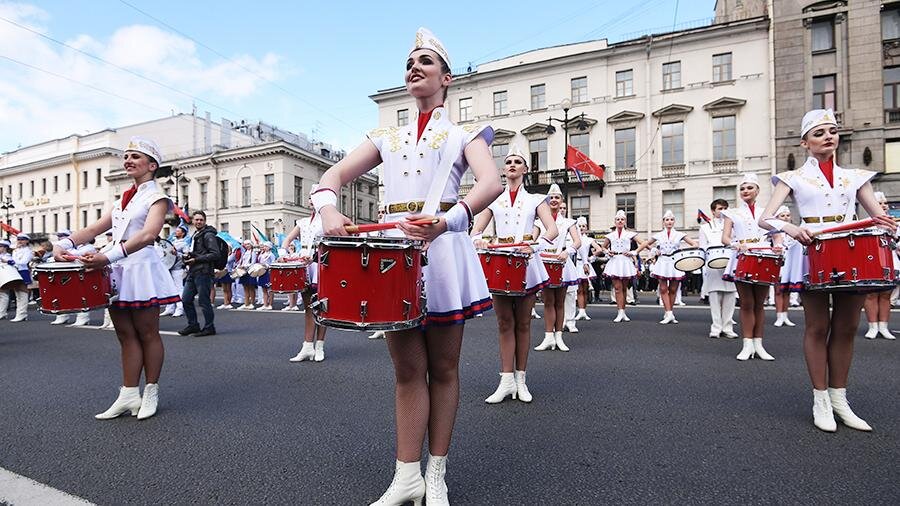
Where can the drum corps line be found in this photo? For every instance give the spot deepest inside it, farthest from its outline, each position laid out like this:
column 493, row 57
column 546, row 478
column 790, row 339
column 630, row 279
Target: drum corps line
column 495, row 249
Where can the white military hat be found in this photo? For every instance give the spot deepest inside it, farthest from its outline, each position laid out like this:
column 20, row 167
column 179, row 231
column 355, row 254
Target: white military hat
column 782, row 210
column 63, row 232
column 668, row 214
column 4, row 242
column 751, row 178
column 146, row 146
column 23, row 237
column 554, row 190
column 620, row 214
column 515, row 151
column 816, row 117
column 427, row 40
column 880, row 197
column 581, row 221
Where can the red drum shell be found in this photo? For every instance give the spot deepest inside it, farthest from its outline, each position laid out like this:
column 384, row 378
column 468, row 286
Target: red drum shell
column 288, row 277
column 555, row 272
column 758, row 268
column 67, row 287
column 850, row 261
column 370, row 283
column 505, row 271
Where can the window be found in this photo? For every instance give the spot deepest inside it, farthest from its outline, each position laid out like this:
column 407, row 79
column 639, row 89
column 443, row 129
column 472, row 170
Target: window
column 673, row 200
column 344, row 209
column 724, row 138
column 890, row 24
column 892, row 95
column 99, row 213
column 68, row 220
column 672, row 143
column 579, row 90
column 627, row 202
column 721, row 67
column 223, row 227
column 245, row 230
column 99, row 177
column 581, row 142
column 20, row 224
column 538, row 150
column 184, row 194
column 31, row 188
column 372, row 215
column 43, row 186
column 20, row 192
column 245, row 191
column 671, row 75
column 223, row 194
column 204, row 194
column 68, row 182
column 402, row 117
column 500, row 103
column 270, row 228
column 465, row 109
column 625, row 147
column 55, row 221
column 726, row 193
column 55, row 184
column 822, row 35
column 44, row 223
column 824, row 92
column 499, row 152
column 83, row 218
column 31, row 222
column 625, row 83
column 270, row 188
column 84, row 179
column 298, row 191
column 538, row 96
column 580, row 206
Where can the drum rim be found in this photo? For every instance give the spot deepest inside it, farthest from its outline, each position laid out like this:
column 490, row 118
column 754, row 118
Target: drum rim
column 759, row 254
column 502, row 253
column 688, row 249
column 553, row 261
column 289, row 265
column 60, row 266
column 723, row 248
column 373, row 242
column 860, row 233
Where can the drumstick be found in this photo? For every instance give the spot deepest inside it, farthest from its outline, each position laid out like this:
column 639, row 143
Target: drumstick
column 511, row 245
column 853, row 225
column 375, row 227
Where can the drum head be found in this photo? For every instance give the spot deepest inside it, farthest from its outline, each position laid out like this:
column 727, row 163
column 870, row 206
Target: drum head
column 59, row 266
column 167, row 253
column 256, row 270
column 689, row 264
column 372, row 242
column 717, row 263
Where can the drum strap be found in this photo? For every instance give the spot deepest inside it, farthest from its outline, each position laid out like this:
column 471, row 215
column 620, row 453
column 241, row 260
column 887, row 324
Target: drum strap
column 442, row 174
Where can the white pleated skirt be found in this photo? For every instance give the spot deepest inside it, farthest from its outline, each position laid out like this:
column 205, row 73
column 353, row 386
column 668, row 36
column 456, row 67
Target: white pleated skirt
column 536, row 276
column 140, row 281
column 664, row 268
column 620, row 267
column 454, row 281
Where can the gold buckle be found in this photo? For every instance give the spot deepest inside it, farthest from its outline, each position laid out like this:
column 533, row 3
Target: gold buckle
column 413, row 206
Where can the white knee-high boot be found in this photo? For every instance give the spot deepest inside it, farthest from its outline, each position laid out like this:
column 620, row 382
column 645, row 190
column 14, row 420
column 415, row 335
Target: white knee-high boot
column 4, row 303
column 21, row 307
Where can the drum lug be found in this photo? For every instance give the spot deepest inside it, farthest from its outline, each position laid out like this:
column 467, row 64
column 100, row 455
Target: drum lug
column 84, row 304
column 80, row 275
column 50, row 277
column 837, row 276
column 55, row 303
column 886, row 272
column 851, row 242
column 363, row 311
column 507, row 285
column 408, row 256
column 365, row 257
column 854, row 274
column 407, row 308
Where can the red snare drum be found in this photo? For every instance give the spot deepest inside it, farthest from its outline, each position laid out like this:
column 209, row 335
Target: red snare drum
column 858, row 260
column 288, row 277
column 759, row 267
column 504, row 271
column 555, row 271
column 369, row 283
column 66, row 287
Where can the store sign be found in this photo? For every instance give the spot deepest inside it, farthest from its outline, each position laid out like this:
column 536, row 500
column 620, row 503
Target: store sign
column 36, row 202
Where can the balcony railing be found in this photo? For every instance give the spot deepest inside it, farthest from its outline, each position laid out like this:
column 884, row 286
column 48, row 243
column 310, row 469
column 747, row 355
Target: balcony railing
column 724, row 166
column 676, row 170
column 892, row 116
column 559, row 176
column 625, row 174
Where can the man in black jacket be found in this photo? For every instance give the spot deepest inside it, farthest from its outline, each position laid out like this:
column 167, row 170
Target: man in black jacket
column 199, row 262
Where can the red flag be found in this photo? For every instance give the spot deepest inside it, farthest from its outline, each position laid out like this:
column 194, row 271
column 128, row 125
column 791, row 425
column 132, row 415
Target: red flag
column 181, row 214
column 579, row 162
column 9, row 229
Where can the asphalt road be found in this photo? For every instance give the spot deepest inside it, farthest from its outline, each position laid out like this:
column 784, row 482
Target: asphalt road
column 636, row 413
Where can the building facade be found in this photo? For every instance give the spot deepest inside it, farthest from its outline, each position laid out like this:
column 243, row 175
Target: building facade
column 240, row 174
column 674, row 117
column 843, row 55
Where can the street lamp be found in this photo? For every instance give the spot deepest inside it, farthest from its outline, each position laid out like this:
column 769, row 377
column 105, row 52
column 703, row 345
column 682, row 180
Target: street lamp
column 7, row 205
column 566, row 104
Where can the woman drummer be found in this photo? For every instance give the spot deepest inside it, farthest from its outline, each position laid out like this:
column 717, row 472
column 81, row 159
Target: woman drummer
column 426, row 359
column 791, row 272
column 307, row 230
column 554, row 297
column 290, row 252
column 513, row 214
column 741, row 232
column 878, row 304
column 586, row 273
column 667, row 241
column 138, row 275
column 620, row 267
column 826, row 194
